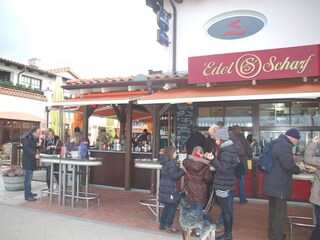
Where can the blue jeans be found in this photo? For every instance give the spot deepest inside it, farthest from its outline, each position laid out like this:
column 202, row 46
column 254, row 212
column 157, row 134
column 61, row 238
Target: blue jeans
column 167, row 214
column 230, row 198
column 196, row 207
column 316, row 231
column 242, row 189
column 27, row 183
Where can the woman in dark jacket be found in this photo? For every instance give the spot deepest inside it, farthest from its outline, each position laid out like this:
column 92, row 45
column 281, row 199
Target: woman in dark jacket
column 224, row 180
column 168, row 191
column 51, row 145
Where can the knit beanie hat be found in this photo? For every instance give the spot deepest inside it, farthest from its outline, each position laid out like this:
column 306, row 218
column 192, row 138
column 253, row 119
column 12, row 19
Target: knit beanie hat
column 292, row 132
column 222, row 134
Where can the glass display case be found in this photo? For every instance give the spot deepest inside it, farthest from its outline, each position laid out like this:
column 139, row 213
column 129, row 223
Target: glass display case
column 298, row 150
column 289, row 114
column 209, row 115
column 305, row 114
column 238, row 115
column 274, row 114
column 230, row 115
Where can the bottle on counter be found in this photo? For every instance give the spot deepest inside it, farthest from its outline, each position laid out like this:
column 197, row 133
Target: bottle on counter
column 64, row 151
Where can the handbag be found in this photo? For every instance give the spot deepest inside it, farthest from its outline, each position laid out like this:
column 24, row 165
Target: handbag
column 240, row 170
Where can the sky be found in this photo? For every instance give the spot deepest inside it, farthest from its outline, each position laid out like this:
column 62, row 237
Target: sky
column 96, row 38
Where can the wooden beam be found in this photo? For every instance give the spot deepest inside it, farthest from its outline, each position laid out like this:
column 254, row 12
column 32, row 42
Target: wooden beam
column 91, row 109
column 128, row 162
column 120, row 116
column 163, row 110
column 85, row 119
column 149, row 109
column 155, row 144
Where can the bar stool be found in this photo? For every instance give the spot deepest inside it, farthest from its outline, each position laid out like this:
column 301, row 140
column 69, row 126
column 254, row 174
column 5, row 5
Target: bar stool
column 294, row 221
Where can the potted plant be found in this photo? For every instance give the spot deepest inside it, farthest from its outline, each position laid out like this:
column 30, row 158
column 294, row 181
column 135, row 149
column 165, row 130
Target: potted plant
column 13, row 178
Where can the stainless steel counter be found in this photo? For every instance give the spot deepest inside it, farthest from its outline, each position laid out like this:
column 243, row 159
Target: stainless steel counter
column 303, row 176
column 74, row 164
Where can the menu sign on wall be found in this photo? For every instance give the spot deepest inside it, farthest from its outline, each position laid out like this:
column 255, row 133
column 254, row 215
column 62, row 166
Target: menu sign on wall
column 184, row 113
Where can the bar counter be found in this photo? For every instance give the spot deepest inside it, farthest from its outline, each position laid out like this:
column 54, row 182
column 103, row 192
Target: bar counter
column 112, row 171
column 74, row 163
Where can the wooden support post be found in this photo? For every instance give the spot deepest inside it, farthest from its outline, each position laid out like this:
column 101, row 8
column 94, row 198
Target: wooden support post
column 128, row 150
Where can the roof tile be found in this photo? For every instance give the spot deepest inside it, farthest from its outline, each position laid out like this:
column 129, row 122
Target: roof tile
column 124, row 79
column 22, row 94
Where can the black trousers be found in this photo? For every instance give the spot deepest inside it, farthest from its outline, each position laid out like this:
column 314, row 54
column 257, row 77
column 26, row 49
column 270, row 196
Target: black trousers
column 56, row 175
column 277, row 215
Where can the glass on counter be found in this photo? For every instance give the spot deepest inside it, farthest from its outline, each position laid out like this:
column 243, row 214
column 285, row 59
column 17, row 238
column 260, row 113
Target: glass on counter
column 146, row 160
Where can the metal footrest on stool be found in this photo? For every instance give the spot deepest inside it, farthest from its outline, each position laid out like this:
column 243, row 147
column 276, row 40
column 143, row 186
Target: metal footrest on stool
column 47, row 191
column 84, row 196
column 298, row 221
column 150, row 202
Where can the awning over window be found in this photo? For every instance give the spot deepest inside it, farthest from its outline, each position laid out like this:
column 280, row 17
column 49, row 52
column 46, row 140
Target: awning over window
column 100, row 99
column 103, row 102
column 234, row 93
column 21, row 116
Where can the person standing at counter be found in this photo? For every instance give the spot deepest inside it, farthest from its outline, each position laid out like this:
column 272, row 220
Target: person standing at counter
column 224, row 180
column 245, row 154
column 168, row 190
column 196, row 139
column 277, row 184
column 311, row 157
column 143, row 137
column 210, row 146
column 51, row 145
column 29, row 160
column 197, row 178
column 74, row 142
column 102, row 140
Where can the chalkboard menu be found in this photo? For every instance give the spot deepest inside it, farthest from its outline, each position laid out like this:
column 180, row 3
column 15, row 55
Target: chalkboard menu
column 184, row 123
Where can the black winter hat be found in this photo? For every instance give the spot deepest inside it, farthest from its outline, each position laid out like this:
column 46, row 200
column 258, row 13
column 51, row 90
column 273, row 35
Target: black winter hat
column 292, row 132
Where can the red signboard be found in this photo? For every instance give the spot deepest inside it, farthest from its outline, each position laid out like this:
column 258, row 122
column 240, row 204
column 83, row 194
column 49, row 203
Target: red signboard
column 256, row 65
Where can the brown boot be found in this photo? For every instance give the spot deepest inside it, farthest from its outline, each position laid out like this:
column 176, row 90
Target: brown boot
column 219, row 228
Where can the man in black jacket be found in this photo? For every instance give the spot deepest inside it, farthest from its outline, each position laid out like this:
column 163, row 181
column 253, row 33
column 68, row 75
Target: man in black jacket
column 196, row 139
column 277, row 184
column 244, row 155
column 29, row 160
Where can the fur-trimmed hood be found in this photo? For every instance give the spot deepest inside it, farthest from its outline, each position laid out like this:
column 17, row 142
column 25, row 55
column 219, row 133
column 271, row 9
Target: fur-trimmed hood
column 196, row 159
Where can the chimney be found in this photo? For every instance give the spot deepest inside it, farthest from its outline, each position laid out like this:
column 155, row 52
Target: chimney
column 34, row 62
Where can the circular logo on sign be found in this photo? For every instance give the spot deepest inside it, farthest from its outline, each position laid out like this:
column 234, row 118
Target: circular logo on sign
column 235, row 24
column 248, row 66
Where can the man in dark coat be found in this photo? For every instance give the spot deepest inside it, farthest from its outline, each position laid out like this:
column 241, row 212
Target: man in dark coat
column 277, row 184
column 245, row 154
column 196, row 139
column 29, row 160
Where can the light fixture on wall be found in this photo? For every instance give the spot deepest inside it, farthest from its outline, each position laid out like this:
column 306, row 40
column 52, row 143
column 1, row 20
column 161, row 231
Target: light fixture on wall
column 168, row 86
